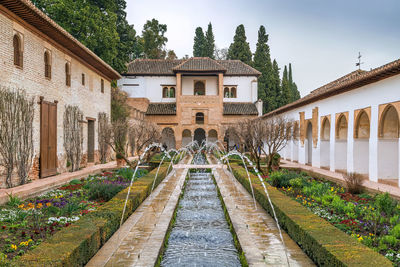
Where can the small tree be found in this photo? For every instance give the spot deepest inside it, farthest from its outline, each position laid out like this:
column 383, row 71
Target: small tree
column 145, row 133
column 104, row 136
column 278, row 130
column 16, row 134
column 24, row 130
column 251, row 134
column 73, row 135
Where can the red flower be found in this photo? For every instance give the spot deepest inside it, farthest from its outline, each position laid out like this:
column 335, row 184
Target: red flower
column 3, row 227
column 67, row 224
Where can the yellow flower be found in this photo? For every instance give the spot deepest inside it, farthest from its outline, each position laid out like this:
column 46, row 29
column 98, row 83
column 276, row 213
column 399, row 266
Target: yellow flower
column 360, row 238
column 21, row 206
column 48, row 204
column 14, row 247
column 40, row 205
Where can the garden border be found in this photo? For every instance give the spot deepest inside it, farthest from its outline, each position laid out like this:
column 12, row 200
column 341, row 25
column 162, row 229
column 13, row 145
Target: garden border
column 78, row 243
column 323, row 243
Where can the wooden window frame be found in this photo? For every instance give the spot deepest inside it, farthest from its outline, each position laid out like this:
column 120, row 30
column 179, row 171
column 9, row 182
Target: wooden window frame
column 83, row 76
column 18, row 51
column 68, row 74
column 167, row 90
column 102, row 86
column 47, row 64
column 231, row 89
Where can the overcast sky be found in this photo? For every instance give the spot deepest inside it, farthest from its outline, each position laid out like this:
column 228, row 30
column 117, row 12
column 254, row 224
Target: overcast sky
column 321, row 38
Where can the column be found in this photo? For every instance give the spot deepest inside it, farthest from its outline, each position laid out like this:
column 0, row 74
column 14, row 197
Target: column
column 332, row 140
column 350, row 142
column 373, row 144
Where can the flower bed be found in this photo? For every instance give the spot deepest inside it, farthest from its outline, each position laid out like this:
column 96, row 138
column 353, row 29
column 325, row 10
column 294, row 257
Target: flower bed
column 26, row 224
column 372, row 220
column 325, row 244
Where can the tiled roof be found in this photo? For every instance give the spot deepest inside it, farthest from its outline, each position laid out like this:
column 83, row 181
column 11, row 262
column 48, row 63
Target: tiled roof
column 169, row 67
column 28, row 12
column 161, row 109
column 240, row 109
column 199, row 64
column 351, row 81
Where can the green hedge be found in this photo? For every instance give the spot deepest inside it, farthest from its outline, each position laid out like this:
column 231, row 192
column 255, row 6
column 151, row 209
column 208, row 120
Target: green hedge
column 78, row 243
column 325, row 244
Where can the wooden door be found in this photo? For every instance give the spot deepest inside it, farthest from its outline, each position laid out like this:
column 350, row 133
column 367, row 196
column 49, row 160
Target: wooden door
column 90, row 150
column 48, row 139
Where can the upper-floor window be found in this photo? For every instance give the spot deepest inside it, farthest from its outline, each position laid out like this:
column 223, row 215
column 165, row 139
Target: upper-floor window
column 199, row 118
column 230, row 92
column 199, row 88
column 168, row 92
column 102, row 86
column 47, row 64
column 18, row 54
column 83, row 79
column 68, row 74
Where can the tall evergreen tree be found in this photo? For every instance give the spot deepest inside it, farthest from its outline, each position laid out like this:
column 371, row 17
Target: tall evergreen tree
column 293, row 87
column 275, row 88
column 240, row 48
column 286, row 90
column 153, row 40
column 199, row 45
column 262, row 62
column 210, row 42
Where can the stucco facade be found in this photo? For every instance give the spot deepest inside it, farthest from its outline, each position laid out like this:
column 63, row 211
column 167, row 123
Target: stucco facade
column 352, row 131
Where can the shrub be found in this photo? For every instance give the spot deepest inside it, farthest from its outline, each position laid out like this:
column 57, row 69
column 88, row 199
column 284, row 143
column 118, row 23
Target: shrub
column 389, row 240
column 103, row 191
column 396, row 231
column 282, row 178
column 354, row 182
column 74, row 182
column 385, row 203
column 13, row 201
column 338, row 204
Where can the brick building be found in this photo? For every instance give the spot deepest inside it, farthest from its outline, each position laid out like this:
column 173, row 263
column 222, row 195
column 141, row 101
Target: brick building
column 192, row 99
column 40, row 57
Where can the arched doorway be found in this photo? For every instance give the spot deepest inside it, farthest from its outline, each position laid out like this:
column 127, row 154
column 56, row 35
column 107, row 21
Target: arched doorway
column 168, row 138
column 199, row 135
column 341, row 144
column 309, row 144
column 361, row 143
column 388, row 145
column 186, row 137
column 212, row 136
column 325, row 143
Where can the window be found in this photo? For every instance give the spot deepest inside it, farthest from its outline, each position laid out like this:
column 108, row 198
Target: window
column 18, row 54
column 47, row 65
column 230, row 92
column 199, row 88
column 199, row 118
column 168, row 92
column 67, row 74
column 83, row 79
column 102, row 86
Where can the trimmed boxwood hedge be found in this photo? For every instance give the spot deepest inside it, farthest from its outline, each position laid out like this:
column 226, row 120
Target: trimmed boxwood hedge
column 78, row 243
column 325, row 244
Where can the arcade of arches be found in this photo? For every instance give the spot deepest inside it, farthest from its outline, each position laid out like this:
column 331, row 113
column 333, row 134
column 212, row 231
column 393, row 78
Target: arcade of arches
column 345, row 142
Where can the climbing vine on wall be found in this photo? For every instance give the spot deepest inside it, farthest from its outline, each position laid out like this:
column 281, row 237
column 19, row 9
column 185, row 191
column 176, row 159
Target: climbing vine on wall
column 73, row 135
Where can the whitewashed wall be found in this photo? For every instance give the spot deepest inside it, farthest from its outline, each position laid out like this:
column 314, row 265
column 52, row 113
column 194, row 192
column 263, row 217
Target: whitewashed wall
column 246, row 88
column 381, row 155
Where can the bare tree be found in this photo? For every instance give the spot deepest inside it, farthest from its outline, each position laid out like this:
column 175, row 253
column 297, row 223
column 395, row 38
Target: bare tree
column 250, row 133
column 221, row 53
column 104, row 136
column 73, row 135
column 278, row 131
column 16, row 141
column 24, row 153
column 131, row 140
column 146, row 133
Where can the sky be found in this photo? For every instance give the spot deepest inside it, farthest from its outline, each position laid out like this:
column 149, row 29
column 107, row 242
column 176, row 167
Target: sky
column 321, row 38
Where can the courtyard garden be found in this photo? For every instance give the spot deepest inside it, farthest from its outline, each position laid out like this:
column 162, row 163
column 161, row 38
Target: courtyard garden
column 374, row 220
column 25, row 224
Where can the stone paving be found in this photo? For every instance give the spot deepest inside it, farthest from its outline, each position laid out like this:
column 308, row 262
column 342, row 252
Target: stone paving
column 394, row 191
column 39, row 186
column 139, row 240
column 255, row 228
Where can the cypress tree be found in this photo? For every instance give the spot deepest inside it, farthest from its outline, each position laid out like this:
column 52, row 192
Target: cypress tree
column 199, row 43
column 295, row 94
column 275, row 88
column 286, row 91
column 240, row 48
column 262, row 62
column 210, row 42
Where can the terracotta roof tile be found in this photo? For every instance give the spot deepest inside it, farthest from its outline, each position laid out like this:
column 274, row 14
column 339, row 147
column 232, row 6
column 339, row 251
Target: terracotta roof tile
column 240, row 109
column 351, row 81
column 161, row 109
column 167, row 67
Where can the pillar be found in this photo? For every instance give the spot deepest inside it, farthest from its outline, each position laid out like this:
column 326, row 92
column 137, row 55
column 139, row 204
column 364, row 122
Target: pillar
column 373, row 144
column 350, row 142
column 332, row 141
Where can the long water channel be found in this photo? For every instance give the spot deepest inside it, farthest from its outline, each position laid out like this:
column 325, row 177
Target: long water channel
column 200, row 235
